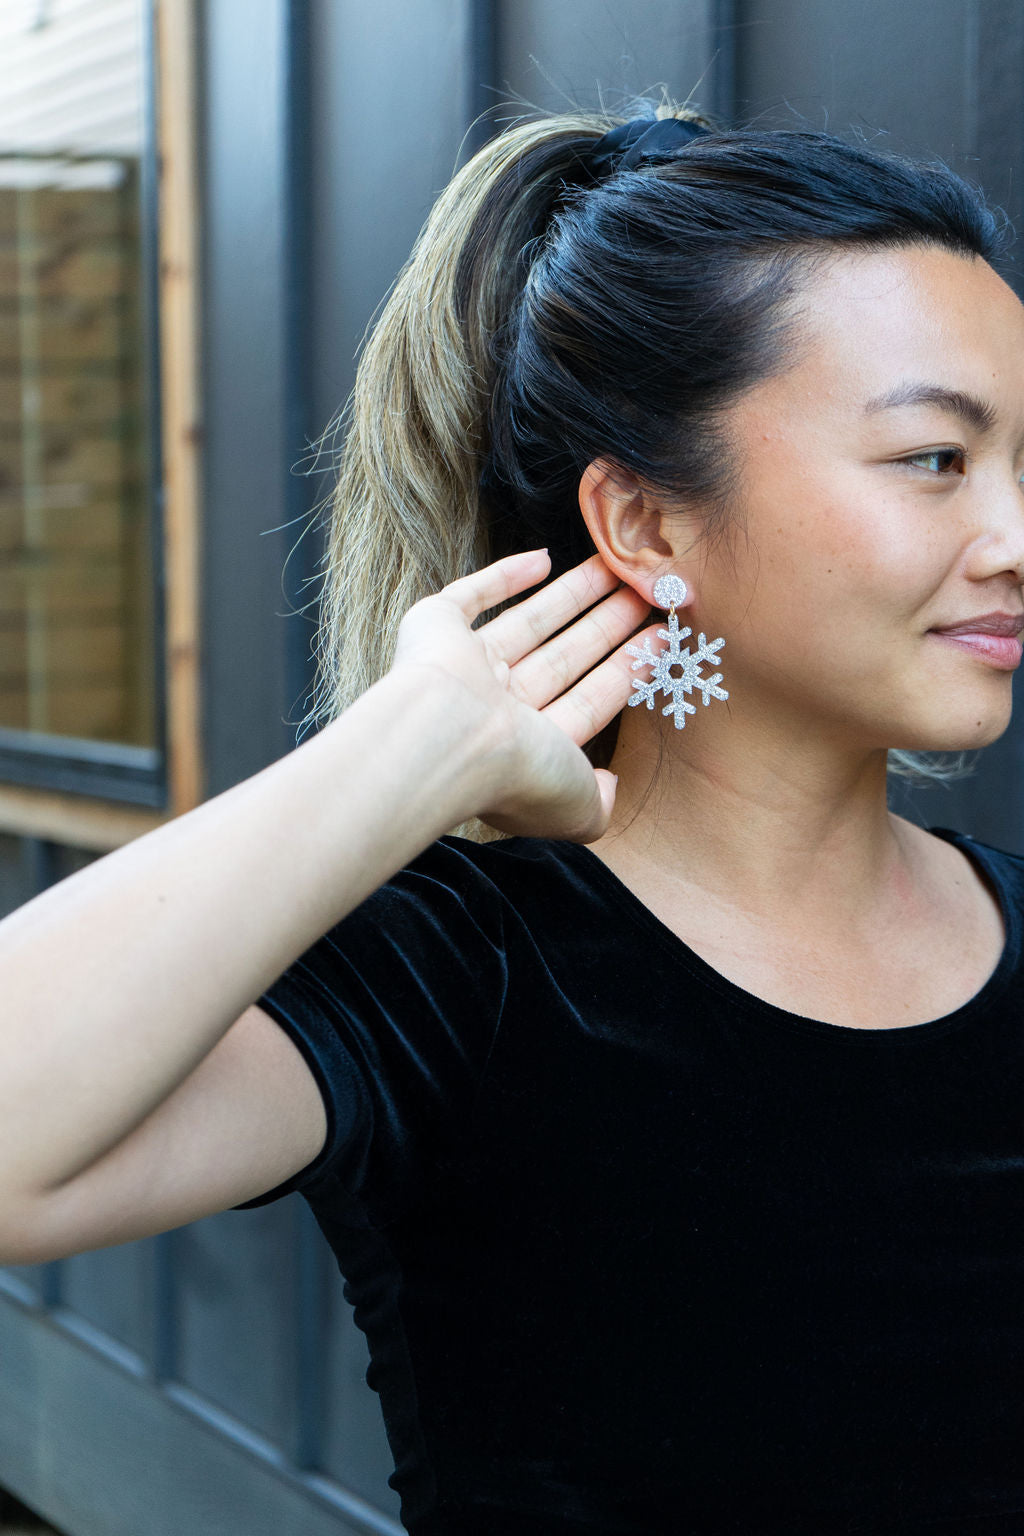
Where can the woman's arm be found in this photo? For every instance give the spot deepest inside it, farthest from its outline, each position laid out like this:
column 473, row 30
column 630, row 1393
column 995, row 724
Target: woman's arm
column 117, row 983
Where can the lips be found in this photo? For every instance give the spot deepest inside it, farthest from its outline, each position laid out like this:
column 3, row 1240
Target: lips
column 991, row 637
column 986, row 624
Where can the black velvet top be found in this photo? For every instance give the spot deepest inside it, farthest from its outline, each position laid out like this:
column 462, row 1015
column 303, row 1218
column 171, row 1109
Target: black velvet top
column 636, row 1251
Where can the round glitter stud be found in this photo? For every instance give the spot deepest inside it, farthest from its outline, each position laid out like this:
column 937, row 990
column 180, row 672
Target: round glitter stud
column 669, row 591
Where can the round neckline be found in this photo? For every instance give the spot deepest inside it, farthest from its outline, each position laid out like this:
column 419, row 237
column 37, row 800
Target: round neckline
column 899, row 1034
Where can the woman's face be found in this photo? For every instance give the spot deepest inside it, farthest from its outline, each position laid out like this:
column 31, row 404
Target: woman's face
column 867, row 526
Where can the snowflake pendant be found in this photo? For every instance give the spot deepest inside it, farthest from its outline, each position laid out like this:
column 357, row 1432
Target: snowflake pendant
column 687, row 665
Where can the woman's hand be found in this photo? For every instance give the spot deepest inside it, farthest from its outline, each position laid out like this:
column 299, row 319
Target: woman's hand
column 538, row 698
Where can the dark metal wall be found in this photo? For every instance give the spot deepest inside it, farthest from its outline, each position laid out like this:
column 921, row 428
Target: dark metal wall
column 211, row 1380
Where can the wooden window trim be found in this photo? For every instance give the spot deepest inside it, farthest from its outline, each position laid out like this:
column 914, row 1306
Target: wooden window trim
column 105, row 824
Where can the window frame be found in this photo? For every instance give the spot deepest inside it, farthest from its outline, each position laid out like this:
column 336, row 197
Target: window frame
column 100, row 794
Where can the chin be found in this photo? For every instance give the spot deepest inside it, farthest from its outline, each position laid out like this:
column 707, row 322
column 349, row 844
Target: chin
column 979, row 733
column 960, row 719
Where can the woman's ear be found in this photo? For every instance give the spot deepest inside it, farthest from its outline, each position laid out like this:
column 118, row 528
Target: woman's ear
column 624, row 520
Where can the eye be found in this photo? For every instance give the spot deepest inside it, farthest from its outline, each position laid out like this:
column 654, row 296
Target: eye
column 940, row 461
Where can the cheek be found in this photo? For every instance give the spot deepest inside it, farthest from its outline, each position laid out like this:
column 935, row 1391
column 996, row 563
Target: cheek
column 845, row 560
column 829, row 602
column 812, row 572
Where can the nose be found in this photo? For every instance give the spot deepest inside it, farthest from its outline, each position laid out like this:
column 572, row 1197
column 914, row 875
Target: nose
column 998, row 545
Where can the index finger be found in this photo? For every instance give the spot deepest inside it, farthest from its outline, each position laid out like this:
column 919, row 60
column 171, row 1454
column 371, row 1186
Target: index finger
column 492, row 585
column 523, row 628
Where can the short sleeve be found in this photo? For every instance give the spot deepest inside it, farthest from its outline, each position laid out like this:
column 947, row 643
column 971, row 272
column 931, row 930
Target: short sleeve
column 395, row 1010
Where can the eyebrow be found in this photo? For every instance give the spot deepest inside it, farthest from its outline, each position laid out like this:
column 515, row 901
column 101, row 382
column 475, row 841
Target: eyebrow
column 970, row 408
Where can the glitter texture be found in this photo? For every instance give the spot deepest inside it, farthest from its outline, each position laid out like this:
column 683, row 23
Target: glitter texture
column 690, row 664
column 669, row 591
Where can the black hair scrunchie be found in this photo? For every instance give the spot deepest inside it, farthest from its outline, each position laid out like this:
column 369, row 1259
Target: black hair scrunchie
column 630, row 144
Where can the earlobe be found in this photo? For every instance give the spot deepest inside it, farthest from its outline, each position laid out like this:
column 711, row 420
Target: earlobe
column 624, row 521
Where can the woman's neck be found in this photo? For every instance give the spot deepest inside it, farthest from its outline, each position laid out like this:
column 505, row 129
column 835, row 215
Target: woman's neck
column 784, row 870
column 789, row 832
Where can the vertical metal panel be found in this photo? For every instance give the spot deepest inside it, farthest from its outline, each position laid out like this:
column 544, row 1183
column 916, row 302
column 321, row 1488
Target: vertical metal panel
column 113, row 1289
column 244, row 387
column 723, row 41
column 561, row 56
column 12, row 884
column 481, row 72
column 998, row 106
column 388, row 84
column 237, row 1317
column 312, row 1258
column 890, row 70
column 298, row 577
column 163, row 1349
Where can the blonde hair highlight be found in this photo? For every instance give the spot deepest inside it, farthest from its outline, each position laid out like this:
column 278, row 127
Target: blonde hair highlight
column 406, row 517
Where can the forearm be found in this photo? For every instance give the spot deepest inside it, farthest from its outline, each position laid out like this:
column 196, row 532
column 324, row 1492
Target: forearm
column 118, row 981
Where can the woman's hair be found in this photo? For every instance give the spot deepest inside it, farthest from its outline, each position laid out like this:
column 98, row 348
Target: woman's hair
column 548, row 317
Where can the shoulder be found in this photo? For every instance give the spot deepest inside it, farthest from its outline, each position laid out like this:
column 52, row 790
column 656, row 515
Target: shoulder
column 456, row 893
column 463, row 894
column 1000, row 870
column 511, row 868
column 994, row 859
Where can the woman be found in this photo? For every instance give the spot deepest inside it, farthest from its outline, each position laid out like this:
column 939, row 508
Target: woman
column 671, row 1141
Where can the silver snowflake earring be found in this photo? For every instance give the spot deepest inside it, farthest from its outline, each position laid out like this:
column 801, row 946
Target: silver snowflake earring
column 676, row 671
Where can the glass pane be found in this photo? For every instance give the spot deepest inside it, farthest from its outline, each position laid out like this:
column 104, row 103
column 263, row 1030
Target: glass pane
column 76, row 587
